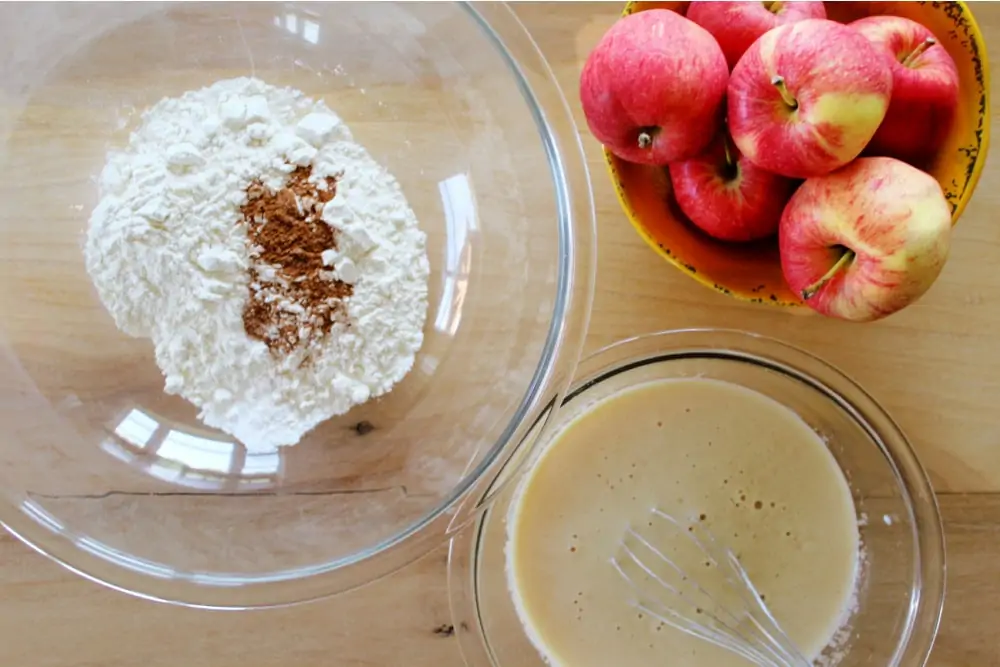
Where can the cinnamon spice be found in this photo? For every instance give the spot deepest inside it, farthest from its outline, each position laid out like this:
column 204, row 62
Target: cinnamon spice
column 293, row 297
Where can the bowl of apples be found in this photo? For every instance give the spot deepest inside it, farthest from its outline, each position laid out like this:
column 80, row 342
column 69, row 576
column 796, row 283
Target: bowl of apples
column 795, row 153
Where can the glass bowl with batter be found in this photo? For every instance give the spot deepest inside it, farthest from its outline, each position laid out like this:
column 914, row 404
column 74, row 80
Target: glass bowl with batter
column 104, row 471
column 846, row 544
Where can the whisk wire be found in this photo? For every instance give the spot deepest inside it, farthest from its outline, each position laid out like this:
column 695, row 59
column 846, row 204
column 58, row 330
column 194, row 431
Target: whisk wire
column 778, row 642
column 775, row 643
column 734, row 618
column 717, row 639
column 660, row 611
column 692, row 584
column 730, row 633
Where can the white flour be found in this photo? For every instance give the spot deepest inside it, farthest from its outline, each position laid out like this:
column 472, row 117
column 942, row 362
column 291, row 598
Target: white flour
column 168, row 255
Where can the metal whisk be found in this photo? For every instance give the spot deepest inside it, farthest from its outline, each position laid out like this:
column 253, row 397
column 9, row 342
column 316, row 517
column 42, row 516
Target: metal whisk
column 683, row 577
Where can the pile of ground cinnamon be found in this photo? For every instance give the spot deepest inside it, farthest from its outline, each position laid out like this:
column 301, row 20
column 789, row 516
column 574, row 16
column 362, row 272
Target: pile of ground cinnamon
column 294, row 298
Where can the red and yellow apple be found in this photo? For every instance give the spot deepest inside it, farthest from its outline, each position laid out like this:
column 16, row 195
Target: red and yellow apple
column 807, row 97
column 653, row 88
column 866, row 240
column 736, row 25
column 727, row 196
column 924, row 88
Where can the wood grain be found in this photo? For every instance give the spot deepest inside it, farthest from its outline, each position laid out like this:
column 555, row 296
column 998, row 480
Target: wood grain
column 935, row 367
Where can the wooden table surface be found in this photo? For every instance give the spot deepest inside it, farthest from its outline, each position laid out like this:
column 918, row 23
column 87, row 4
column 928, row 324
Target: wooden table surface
column 935, row 367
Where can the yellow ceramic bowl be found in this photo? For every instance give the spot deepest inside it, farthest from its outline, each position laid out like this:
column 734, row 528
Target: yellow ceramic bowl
column 753, row 271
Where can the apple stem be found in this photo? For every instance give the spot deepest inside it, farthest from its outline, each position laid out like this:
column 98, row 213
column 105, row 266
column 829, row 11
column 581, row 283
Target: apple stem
column 926, row 44
column 779, row 83
column 773, row 7
column 845, row 259
column 645, row 140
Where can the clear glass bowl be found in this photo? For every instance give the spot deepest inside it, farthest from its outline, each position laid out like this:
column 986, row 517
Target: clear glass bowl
column 902, row 577
column 103, row 471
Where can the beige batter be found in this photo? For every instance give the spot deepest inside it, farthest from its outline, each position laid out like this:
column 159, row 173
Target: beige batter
column 739, row 463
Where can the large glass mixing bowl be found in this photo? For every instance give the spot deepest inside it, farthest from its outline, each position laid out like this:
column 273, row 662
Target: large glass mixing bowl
column 103, row 471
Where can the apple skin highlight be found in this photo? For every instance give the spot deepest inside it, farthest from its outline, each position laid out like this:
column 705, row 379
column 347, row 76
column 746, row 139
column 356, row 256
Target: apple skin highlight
column 891, row 216
column 807, row 97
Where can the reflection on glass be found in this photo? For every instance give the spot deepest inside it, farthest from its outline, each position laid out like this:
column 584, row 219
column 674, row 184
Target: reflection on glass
column 310, row 31
column 460, row 221
column 428, row 364
column 136, row 428
column 257, row 464
column 124, row 559
column 291, row 23
column 95, row 547
column 42, row 516
column 179, row 456
column 198, row 453
column 111, row 446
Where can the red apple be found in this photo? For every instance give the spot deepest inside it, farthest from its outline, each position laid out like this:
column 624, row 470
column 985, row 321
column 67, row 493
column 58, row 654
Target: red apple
column 727, row 196
column 866, row 240
column 924, row 88
column 736, row 25
column 652, row 88
column 807, row 97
